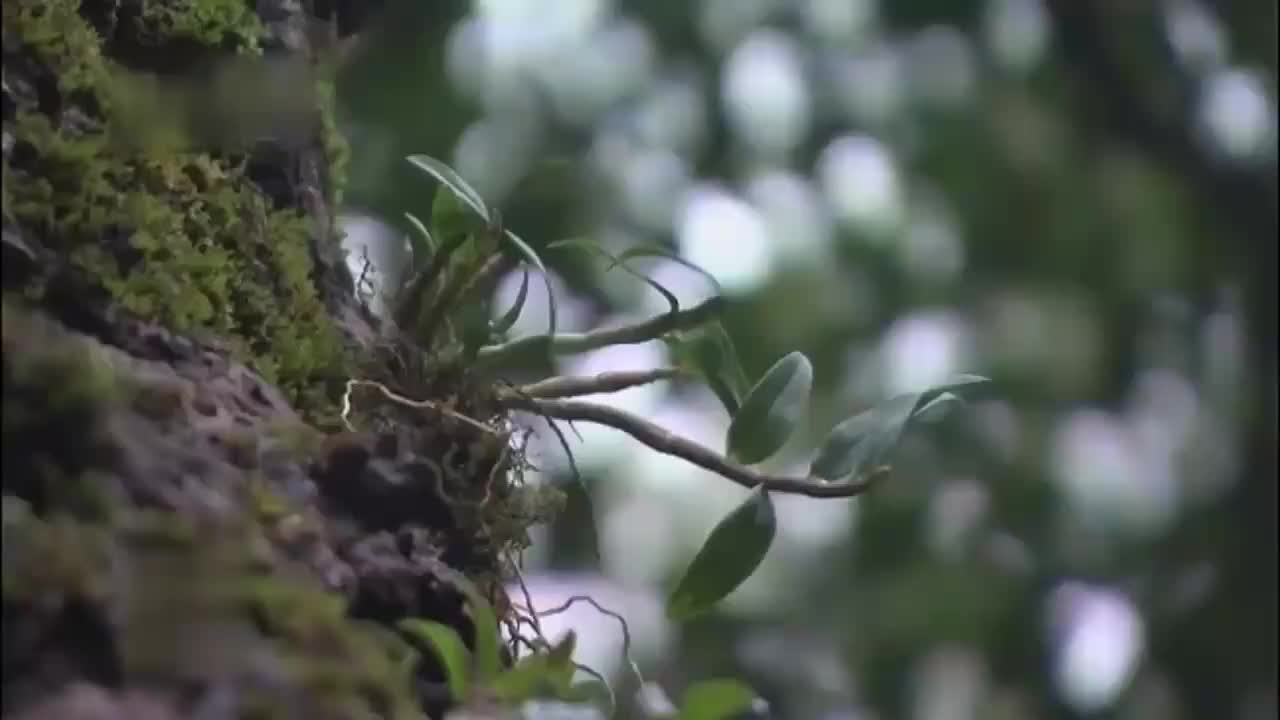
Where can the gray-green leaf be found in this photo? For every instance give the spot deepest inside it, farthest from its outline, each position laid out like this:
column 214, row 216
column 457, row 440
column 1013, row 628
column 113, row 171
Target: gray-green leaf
column 937, row 408
column 772, row 410
column 715, row 700
column 708, row 351
column 731, row 553
column 865, row 440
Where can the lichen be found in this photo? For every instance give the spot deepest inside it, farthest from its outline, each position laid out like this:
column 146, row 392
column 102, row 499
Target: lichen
column 183, row 237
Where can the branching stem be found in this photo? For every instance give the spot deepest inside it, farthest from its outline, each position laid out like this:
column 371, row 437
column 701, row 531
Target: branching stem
column 668, row 443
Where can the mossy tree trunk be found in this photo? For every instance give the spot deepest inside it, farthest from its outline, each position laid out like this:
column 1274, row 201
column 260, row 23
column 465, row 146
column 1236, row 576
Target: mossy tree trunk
column 188, row 529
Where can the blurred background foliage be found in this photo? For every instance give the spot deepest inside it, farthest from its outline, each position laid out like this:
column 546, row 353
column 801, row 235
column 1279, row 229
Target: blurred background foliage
column 1074, row 197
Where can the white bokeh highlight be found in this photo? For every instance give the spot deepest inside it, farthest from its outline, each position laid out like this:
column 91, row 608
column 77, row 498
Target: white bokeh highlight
column 766, row 94
column 726, row 236
column 1099, row 639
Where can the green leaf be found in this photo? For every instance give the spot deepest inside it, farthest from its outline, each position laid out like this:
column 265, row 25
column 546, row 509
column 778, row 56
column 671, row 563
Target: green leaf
column 421, row 241
column 488, row 645
column 715, row 700
column 661, row 252
column 541, row 674
column 452, row 180
column 865, row 440
column 731, row 553
column 708, row 351
column 772, row 409
column 452, row 222
column 448, row 648
column 473, row 316
column 527, row 679
column 508, row 319
column 619, row 261
column 529, row 254
column 561, row 654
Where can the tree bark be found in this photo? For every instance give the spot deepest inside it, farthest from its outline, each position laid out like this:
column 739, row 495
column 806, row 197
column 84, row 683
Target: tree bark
column 186, row 533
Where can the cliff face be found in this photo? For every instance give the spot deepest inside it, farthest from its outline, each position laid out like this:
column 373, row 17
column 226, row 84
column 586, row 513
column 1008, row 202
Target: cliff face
column 202, row 518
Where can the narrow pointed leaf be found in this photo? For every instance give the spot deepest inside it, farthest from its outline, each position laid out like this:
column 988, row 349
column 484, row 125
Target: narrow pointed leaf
column 733, row 372
column 508, row 319
column 731, row 553
column 619, row 261
column 716, row 700
column 423, row 245
column 452, row 180
column 475, row 330
column 865, row 440
column 488, row 660
column 448, row 648
column 772, row 410
column 661, row 252
column 956, row 383
column 530, row 255
column 937, row 408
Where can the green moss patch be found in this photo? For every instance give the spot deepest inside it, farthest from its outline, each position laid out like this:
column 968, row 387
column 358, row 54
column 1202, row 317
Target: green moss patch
column 182, row 237
column 209, row 22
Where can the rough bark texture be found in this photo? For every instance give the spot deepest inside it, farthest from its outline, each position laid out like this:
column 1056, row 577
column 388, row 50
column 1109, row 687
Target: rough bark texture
column 189, row 531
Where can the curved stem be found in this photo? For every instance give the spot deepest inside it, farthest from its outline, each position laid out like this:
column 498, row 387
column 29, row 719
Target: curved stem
column 668, row 443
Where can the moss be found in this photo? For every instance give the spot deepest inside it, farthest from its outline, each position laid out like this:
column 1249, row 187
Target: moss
column 57, row 394
column 344, row 664
column 336, row 149
column 356, row 667
column 51, row 562
column 300, row 440
column 181, row 237
column 69, row 377
column 209, row 22
column 348, row 668
column 60, row 38
column 266, row 505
